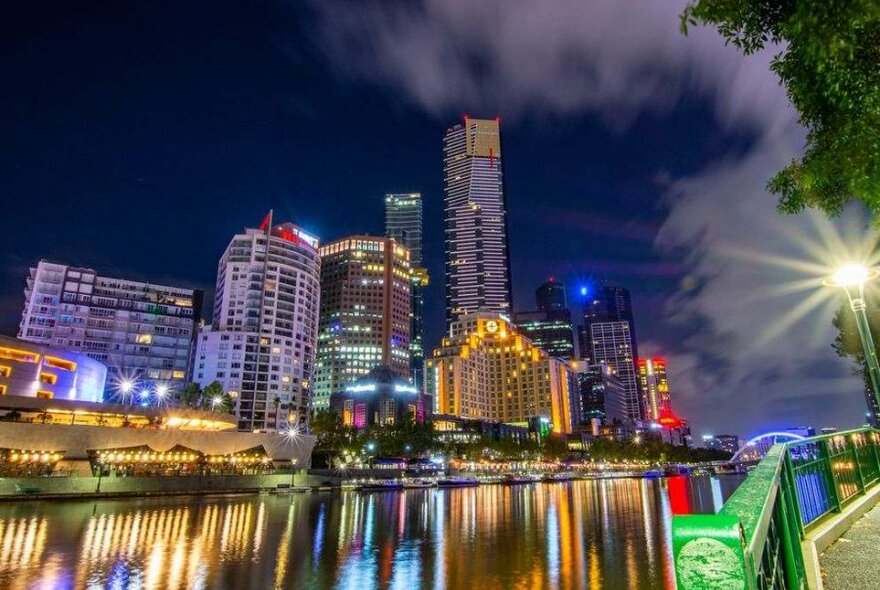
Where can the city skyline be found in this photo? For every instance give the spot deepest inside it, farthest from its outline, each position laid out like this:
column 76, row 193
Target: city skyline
column 150, row 169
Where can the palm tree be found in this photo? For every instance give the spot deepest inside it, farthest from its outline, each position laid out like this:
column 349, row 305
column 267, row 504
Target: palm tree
column 277, row 403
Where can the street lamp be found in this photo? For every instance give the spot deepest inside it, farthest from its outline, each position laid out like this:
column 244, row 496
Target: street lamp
column 126, row 388
column 852, row 278
column 161, row 392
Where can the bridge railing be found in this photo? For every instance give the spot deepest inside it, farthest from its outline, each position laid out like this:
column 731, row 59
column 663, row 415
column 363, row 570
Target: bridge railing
column 753, row 543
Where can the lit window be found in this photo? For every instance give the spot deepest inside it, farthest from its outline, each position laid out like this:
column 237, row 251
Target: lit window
column 43, row 394
column 22, row 356
column 48, row 378
column 177, row 375
column 2, row 390
column 5, row 371
column 144, row 338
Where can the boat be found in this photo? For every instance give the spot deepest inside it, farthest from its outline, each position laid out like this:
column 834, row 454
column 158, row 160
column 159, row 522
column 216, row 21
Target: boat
column 458, row 481
column 518, row 478
column 418, row 483
column 382, row 485
column 652, row 473
column 562, row 476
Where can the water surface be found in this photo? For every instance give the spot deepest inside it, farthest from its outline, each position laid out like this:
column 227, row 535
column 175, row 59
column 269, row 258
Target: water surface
column 610, row 534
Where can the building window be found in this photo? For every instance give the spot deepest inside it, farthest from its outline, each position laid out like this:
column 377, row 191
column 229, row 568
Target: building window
column 43, row 394
column 144, row 338
column 5, row 371
column 48, row 378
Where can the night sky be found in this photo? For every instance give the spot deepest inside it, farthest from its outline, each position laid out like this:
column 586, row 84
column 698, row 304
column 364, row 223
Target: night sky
column 137, row 137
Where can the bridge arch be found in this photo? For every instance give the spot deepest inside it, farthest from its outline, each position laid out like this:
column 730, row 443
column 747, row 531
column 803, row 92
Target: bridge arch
column 767, row 435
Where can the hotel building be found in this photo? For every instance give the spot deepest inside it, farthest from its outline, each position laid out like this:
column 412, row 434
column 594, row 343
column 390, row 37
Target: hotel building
column 486, row 369
column 261, row 343
column 403, row 223
column 655, row 388
column 141, row 331
column 364, row 312
column 475, row 215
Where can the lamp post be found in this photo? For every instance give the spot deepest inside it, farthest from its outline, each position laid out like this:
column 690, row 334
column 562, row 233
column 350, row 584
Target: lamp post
column 852, row 278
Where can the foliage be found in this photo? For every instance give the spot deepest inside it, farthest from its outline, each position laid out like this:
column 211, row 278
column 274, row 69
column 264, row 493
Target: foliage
column 191, row 396
column 213, row 391
column 829, row 62
column 848, row 343
column 650, row 449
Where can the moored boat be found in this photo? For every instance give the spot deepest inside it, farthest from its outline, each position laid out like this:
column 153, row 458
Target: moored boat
column 380, row 485
column 458, row 481
column 418, row 483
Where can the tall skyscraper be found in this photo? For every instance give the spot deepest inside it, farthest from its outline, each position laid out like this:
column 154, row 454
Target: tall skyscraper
column 365, row 312
column 403, row 222
column 612, row 344
column 655, row 388
column 262, row 341
column 142, row 332
column 550, row 296
column 549, row 327
column 477, row 251
column 486, row 369
column 605, row 303
column 599, row 394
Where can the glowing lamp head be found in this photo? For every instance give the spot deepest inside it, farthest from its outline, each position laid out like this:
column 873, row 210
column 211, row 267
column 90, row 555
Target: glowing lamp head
column 852, row 275
column 162, row 391
column 584, row 291
column 126, row 386
column 217, row 400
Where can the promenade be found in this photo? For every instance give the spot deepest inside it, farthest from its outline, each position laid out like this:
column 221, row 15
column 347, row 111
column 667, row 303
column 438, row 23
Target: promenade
column 852, row 561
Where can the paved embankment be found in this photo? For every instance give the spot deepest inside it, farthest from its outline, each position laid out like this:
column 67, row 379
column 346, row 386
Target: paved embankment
column 853, row 561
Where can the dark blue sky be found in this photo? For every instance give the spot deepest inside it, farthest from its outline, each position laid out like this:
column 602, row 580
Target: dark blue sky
column 136, row 138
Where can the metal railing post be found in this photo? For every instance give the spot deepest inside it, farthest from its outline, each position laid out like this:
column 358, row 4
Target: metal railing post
column 858, row 462
column 829, row 471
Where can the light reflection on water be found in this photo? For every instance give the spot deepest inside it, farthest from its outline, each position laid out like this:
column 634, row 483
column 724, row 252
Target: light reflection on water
column 605, row 535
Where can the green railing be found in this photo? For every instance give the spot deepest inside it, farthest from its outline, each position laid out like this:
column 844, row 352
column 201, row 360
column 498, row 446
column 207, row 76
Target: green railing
column 754, row 542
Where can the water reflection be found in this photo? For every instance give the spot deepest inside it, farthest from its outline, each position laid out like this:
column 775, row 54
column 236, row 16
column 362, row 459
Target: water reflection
column 599, row 534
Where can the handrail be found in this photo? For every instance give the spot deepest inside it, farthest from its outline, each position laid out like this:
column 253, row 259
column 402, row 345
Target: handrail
column 754, row 541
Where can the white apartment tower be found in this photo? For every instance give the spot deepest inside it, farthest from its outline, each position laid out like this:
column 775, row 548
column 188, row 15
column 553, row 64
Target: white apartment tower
column 477, row 257
column 142, row 332
column 262, row 341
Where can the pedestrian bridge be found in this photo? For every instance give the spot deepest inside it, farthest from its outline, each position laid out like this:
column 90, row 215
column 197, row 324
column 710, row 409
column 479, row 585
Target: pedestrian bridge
column 772, row 532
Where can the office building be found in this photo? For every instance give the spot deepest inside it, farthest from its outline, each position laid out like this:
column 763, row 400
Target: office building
column 654, row 385
column 486, row 369
column 261, row 343
column 403, row 223
column 604, row 303
column 381, row 398
column 599, row 395
column 550, row 296
column 612, row 345
column 139, row 331
column 365, row 312
column 549, row 327
column 475, row 215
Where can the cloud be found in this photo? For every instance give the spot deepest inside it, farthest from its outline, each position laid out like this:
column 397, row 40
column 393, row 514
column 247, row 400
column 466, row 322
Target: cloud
column 528, row 59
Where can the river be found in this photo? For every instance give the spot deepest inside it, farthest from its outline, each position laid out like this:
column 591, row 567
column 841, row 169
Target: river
column 607, row 534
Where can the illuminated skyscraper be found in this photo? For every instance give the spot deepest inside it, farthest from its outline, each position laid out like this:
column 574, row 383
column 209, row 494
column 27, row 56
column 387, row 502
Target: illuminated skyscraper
column 477, row 256
column 403, row 222
column 365, row 312
column 611, row 343
column 550, row 296
column 655, row 388
column 261, row 343
column 486, row 369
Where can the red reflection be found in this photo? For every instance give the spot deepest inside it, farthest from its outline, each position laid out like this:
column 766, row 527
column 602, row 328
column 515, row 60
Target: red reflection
column 679, row 500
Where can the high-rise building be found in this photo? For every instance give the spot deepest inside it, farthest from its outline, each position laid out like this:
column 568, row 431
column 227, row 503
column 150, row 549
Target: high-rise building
column 549, row 327
column 477, row 250
column 262, row 341
column 141, row 331
column 611, row 343
column 403, row 222
column 550, row 296
column 365, row 312
column 486, row 369
column 605, row 303
column 654, row 385
column 599, row 395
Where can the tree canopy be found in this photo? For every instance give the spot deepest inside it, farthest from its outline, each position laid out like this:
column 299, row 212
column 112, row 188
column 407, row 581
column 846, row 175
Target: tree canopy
column 828, row 60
